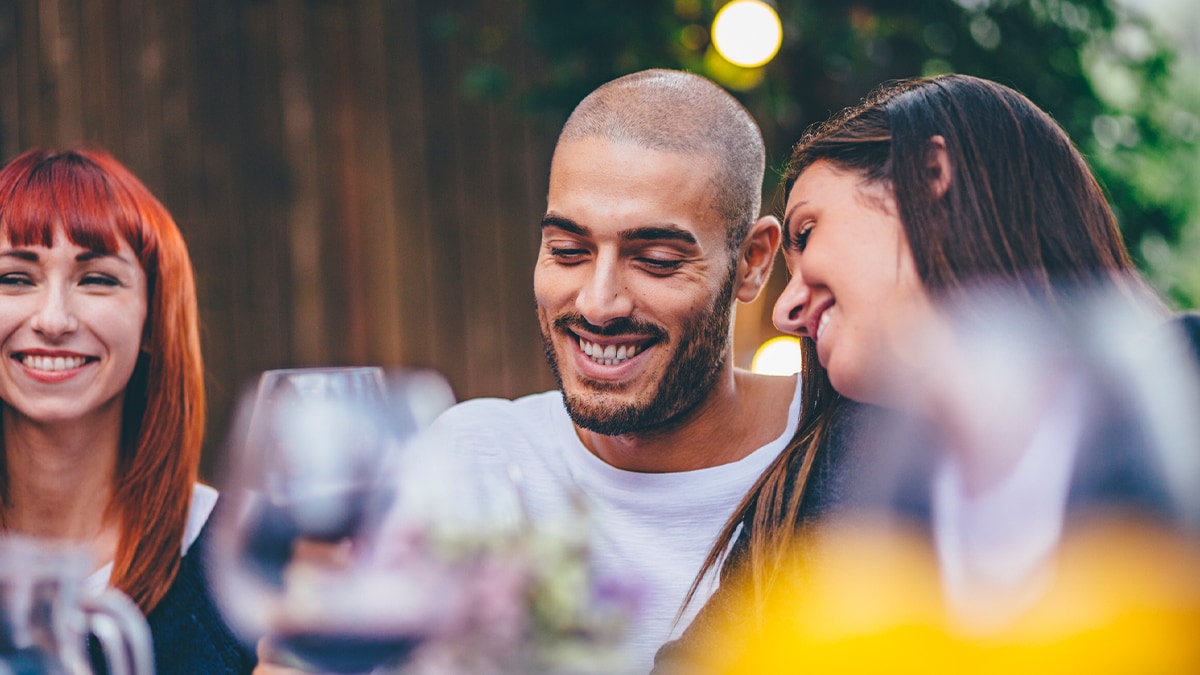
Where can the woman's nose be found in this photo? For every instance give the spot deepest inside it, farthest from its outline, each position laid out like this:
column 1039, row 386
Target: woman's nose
column 789, row 314
column 55, row 316
column 604, row 296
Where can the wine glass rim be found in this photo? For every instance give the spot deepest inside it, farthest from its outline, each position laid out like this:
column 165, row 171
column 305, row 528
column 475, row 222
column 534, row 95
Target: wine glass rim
column 323, row 369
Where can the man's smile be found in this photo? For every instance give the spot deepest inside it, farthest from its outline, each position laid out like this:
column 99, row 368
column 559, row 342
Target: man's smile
column 609, row 355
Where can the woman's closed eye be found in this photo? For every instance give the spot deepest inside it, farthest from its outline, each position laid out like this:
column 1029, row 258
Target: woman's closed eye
column 799, row 238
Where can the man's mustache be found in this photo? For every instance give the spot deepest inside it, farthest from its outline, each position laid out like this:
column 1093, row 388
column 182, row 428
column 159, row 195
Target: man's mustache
column 616, row 327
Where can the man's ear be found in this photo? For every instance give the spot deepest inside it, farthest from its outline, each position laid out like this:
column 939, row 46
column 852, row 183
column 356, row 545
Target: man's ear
column 756, row 256
column 937, row 164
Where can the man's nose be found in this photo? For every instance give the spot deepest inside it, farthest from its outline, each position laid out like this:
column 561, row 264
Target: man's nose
column 605, row 296
column 789, row 315
column 55, row 317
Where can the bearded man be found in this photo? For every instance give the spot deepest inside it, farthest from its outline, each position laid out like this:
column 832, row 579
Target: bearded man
column 651, row 233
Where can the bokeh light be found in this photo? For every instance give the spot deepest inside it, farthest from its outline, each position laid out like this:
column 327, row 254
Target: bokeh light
column 729, row 75
column 747, row 33
column 777, row 356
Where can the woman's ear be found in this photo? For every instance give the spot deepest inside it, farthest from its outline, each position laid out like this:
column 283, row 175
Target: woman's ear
column 757, row 255
column 937, row 164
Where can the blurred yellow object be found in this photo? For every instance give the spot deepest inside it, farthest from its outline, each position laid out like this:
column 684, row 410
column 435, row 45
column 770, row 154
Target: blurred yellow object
column 747, row 33
column 778, row 356
column 865, row 598
column 729, row 75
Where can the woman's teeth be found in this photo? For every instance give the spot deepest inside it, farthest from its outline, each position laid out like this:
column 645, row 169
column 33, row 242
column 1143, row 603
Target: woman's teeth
column 610, row 355
column 53, row 362
column 822, row 323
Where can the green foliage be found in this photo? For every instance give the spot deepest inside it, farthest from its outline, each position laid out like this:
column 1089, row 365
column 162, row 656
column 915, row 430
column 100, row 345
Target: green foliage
column 1101, row 71
column 588, row 42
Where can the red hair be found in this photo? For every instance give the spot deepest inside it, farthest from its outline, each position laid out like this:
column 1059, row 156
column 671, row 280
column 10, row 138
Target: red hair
column 97, row 203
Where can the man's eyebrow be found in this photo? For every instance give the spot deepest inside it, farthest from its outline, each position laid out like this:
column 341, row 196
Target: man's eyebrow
column 649, row 233
column 565, row 224
column 657, row 233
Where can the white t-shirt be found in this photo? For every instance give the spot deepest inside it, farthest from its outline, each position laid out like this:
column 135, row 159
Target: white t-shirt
column 649, row 529
column 204, row 498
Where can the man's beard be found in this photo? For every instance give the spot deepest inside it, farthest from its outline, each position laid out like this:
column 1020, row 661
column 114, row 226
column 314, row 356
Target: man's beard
column 701, row 349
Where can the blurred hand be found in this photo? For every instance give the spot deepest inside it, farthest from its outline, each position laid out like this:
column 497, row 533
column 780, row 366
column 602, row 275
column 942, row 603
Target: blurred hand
column 273, row 661
column 305, row 554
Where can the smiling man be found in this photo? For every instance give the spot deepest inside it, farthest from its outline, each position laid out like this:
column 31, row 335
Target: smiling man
column 651, row 233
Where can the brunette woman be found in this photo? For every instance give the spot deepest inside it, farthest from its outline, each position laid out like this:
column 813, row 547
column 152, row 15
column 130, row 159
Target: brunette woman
column 895, row 208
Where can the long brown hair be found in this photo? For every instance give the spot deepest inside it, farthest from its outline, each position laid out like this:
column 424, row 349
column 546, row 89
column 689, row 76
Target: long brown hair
column 97, row 202
column 1021, row 208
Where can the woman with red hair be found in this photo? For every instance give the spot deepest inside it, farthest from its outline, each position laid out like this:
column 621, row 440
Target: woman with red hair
column 102, row 392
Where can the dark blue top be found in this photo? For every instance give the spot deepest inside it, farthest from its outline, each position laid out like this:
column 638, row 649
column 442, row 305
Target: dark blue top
column 190, row 637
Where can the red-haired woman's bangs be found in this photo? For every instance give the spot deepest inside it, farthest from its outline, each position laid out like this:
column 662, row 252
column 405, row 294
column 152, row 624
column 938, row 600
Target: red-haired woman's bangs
column 69, row 191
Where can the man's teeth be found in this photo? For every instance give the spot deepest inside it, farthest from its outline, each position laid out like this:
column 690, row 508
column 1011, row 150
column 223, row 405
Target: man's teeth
column 53, row 362
column 822, row 323
column 610, row 355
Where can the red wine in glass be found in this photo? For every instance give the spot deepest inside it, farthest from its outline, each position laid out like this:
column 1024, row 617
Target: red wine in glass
column 343, row 652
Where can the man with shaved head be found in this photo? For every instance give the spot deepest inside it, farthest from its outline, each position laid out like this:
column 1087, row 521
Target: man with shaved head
column 651, row 231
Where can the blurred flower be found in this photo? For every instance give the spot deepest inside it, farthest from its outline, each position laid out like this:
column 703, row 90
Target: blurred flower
column 531, row 605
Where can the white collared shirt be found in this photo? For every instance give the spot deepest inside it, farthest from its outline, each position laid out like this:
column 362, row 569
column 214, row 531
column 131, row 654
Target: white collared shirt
column 204, row 498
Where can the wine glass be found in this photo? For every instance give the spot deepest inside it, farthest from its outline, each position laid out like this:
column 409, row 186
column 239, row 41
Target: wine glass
column 312, row 467
column 355, row 540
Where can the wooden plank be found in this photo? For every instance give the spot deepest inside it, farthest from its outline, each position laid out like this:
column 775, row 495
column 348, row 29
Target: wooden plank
column 379, row 278
column 10, row 84
column 341, row 222
column 308, row 323
column 152, row 66
column 179, row 136
column 453, row 273
column 43, row 77
column 135, row 151
column 481, row 205
column 423, row 328
column 60, row 26
column 100, row 79
column 37, row 129
column 497, row 217
column 262, row 190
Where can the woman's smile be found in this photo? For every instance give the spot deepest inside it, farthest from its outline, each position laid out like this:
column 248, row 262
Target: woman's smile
column 52, row 366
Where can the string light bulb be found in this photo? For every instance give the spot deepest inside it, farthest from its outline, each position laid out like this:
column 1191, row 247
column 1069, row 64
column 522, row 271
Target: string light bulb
column 777, row 356
column 747, row 33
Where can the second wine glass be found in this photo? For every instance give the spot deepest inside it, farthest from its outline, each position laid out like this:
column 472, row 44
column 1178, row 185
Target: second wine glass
column 307, row 484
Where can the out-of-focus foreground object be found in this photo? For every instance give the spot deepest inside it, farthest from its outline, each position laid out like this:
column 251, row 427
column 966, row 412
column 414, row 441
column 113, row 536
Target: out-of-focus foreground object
column 1038, row 510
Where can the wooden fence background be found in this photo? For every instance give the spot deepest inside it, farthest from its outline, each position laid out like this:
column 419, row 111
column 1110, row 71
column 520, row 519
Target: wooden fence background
column 345, row 198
